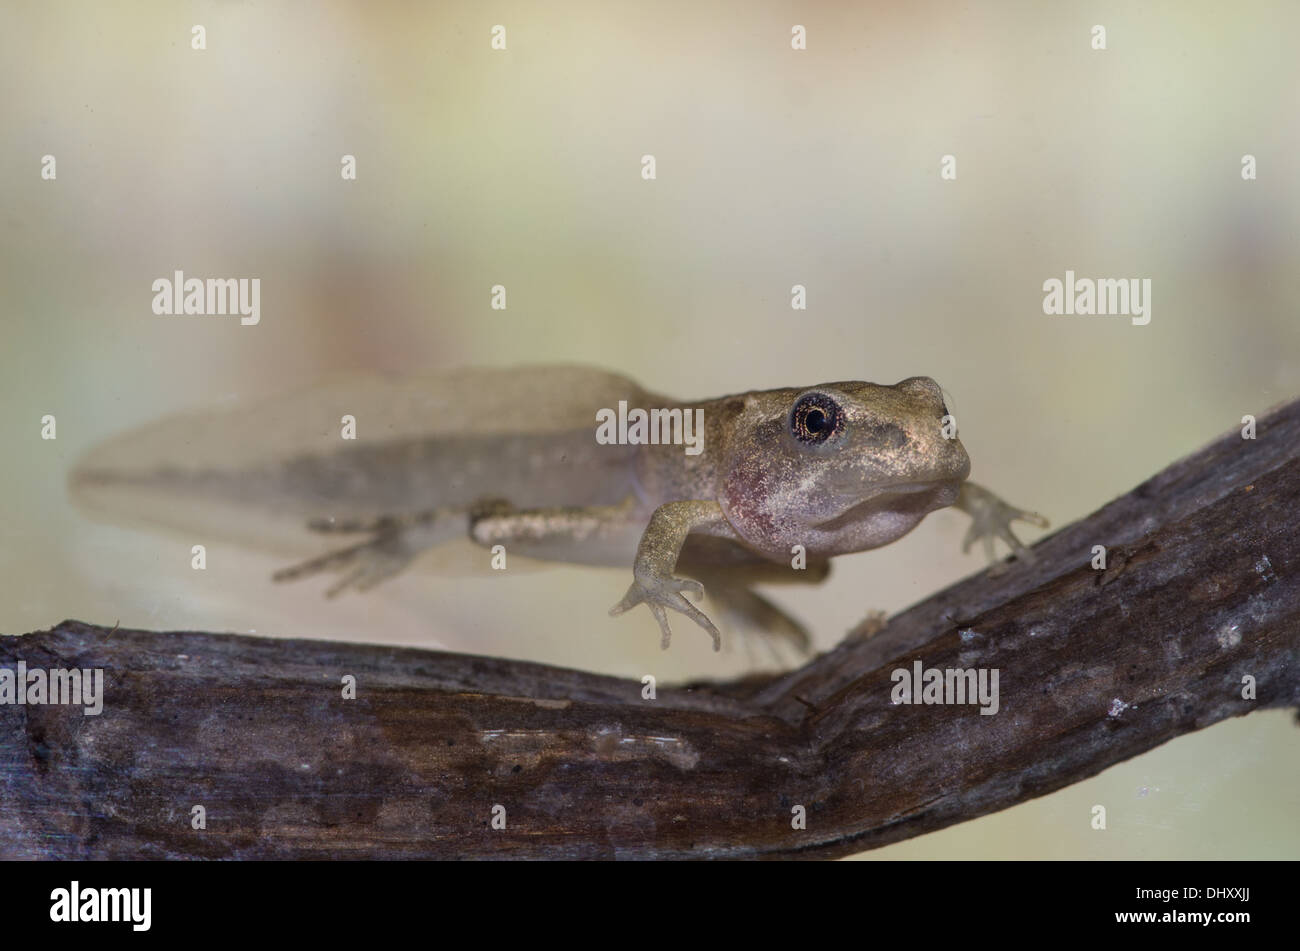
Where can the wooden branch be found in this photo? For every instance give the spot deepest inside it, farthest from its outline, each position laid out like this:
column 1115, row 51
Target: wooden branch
column 1202, row 589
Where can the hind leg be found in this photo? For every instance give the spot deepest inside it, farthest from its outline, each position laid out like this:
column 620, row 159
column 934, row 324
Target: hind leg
column 394, row 542
column 753, row 617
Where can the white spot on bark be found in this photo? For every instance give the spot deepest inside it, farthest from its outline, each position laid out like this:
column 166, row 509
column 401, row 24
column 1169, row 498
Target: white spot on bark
column 1229, row 635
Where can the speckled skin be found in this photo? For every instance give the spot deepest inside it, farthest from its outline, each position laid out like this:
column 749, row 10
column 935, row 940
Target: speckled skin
column 882, row 468
column 511, row 458
column 738, row 512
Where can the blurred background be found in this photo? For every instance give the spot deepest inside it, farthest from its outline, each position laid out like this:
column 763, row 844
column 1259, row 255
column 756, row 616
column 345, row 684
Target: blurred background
column 775, row 167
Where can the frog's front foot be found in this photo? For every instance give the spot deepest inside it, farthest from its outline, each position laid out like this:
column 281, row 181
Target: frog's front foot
column 991, row 518
column 664, row 591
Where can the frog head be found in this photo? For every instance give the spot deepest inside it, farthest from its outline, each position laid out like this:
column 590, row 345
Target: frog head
column 839, row 467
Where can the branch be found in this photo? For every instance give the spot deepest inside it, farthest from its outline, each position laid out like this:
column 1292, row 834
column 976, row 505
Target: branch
column 1202, row 589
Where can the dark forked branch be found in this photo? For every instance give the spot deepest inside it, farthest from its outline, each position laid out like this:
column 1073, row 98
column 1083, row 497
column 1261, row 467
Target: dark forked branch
column 1199, row 599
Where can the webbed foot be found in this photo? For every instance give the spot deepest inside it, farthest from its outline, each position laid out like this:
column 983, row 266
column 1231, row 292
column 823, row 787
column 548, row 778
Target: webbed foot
column 660, row 592
column 390, row 549
column 991, row 518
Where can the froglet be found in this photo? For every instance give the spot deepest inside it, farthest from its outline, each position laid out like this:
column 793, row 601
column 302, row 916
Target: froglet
column 567, row 464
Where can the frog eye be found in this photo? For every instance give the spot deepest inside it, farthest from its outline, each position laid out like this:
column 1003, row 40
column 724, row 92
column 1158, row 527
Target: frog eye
column 815, row 418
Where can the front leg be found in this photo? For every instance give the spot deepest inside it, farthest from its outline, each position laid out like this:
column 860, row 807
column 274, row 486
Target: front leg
column 656, row 557
column 991, row 518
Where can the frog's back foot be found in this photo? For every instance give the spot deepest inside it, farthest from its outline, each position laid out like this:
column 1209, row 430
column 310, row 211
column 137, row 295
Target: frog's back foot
column 394, row 543
column 751, row 618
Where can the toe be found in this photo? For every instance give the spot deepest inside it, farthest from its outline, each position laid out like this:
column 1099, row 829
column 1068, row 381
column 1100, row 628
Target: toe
column 662, row 617
column 635, row 595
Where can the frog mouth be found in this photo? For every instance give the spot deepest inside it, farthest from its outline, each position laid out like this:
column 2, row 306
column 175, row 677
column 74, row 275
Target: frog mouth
column 906, row 497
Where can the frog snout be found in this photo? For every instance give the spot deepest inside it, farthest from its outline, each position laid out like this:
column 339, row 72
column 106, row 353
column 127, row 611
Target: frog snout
column 958, row 463
column 923, row 387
